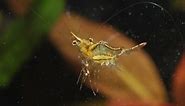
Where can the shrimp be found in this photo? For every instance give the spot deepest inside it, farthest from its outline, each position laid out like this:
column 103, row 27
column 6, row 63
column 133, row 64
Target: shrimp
column 100, row 53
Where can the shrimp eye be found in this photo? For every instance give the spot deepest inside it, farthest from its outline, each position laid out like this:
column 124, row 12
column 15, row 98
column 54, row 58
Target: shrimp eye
column 91, row 39
column 74, row 42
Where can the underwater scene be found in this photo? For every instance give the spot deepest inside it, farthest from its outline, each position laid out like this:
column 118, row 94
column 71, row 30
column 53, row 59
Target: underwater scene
column 92, row 53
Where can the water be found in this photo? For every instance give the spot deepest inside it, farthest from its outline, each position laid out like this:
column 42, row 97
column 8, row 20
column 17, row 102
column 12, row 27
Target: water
column 47, row 77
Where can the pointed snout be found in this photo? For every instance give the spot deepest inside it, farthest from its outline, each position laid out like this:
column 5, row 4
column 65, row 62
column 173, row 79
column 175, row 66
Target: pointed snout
column 76, row 37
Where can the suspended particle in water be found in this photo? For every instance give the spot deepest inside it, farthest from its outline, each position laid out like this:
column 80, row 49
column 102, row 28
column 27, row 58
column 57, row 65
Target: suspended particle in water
column 129, row 13
column 146, row 6
column 101, row 8
column 141, row 14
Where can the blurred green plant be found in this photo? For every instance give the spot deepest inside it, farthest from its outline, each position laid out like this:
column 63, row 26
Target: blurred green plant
column 23, row 34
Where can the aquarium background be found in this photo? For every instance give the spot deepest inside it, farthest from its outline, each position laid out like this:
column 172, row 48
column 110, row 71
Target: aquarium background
column 41, row 76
